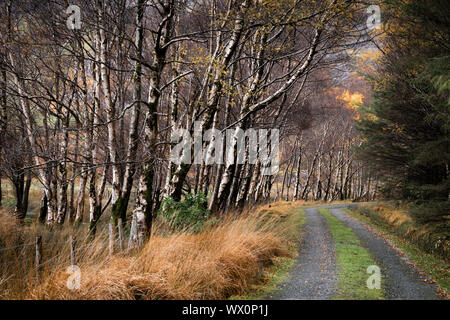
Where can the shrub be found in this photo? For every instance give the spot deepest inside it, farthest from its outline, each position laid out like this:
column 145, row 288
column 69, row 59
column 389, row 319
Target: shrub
column 188, row 214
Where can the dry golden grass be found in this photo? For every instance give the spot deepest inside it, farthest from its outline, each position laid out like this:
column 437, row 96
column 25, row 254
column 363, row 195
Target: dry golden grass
column 280, row 209
column 17, row 253
column 429, row 236
column 394, row 217
column 224, row 259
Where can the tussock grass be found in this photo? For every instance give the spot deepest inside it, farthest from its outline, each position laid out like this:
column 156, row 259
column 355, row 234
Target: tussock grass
column 284, row 209
column 17, row 252
column 224, row 259
column 291, row 216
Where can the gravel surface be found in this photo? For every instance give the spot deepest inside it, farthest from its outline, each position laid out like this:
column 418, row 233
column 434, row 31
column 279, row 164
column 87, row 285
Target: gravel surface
column 402, row 280
column 314, row 274
column 313, row 277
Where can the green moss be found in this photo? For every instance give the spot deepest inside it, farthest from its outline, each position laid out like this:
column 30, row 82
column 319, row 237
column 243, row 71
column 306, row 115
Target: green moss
column 117, row 210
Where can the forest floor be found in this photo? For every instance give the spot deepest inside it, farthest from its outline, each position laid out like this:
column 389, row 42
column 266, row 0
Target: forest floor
column 335, row 253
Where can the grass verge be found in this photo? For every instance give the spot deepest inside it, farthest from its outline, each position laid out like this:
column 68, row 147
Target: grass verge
column 279, row 271
column 353, row 261
column 435, row 266
column 224, row 259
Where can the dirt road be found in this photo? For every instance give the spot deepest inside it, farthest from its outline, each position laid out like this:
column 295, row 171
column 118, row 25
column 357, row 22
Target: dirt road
column 315, row 273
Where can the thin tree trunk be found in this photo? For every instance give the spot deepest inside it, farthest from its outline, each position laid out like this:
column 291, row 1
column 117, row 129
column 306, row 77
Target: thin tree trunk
column 133, row 138
column 110, row 108
column 295, row 196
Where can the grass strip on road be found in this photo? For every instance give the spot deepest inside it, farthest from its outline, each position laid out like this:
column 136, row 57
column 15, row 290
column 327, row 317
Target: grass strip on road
column 353, row 260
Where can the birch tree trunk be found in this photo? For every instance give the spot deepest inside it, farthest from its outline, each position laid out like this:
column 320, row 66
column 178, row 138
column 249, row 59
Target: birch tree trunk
column 25, row 106
column 298, row 169
column 109, row 105
column 143, row 214
column 213, row 94
column 120, row 207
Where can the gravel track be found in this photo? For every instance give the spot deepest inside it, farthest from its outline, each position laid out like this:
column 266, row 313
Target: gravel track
column 402, row 280
column 314, row 274
column 313, row 277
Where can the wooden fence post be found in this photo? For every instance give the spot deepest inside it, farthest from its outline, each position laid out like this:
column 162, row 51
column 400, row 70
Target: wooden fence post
column 131, row 241
column 38, row 258
column 72, row 250
column 111, row 239
column 119, row 226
